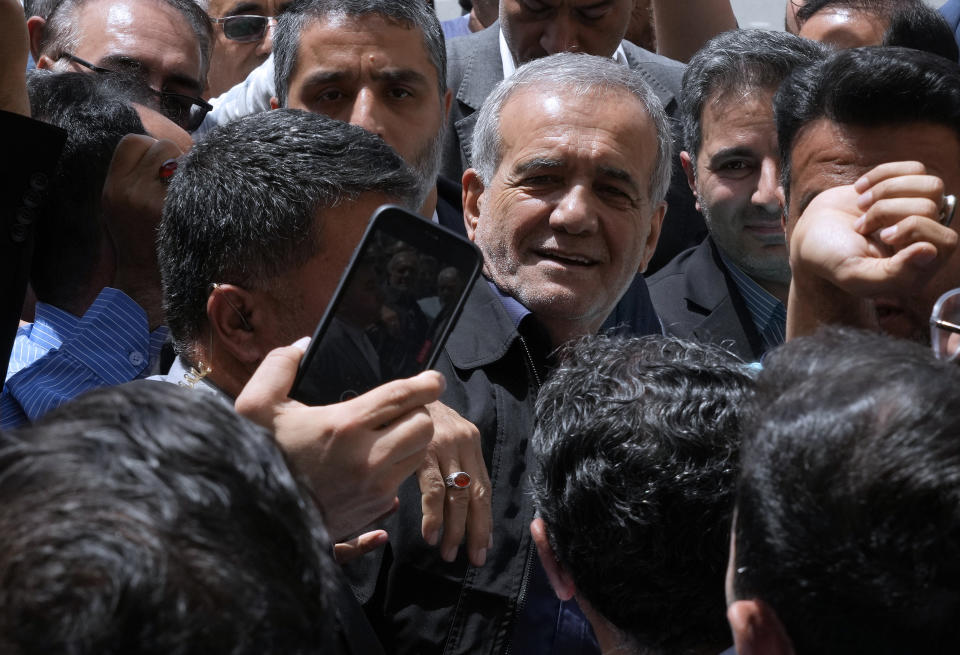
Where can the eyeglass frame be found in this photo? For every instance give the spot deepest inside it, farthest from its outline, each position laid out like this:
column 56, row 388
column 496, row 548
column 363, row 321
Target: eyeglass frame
column 223, row 20
column 195, row 118
column 941, row 324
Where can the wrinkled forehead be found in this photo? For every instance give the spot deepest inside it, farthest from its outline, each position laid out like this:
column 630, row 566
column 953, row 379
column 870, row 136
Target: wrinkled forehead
column 148, row 35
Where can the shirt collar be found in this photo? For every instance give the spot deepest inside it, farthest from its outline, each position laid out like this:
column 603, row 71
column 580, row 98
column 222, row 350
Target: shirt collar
column 763, row 306
column 510, row 67
column 52, row 326
column 514, row 308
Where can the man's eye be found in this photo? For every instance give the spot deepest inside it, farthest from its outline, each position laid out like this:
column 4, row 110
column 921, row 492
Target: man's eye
column 595, row 13
column 400, row 92
column 540, row 180
column 534, row 6
column 734, row 166
column 329, row 95
column 615, row 195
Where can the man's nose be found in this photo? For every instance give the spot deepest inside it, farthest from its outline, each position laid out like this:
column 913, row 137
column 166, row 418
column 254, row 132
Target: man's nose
column 366, row 112
column 575, row 213
column 765, row 195
column 265, row 46
column 561, row 35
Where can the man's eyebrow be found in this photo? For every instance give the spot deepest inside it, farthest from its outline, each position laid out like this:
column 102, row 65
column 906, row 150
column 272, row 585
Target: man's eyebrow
column 732, row 151
column 242, row 8
column 123, row 63
column 400, row 75
column 128, row 63
column 536, row 164
column 622, row 175
column 324, row 76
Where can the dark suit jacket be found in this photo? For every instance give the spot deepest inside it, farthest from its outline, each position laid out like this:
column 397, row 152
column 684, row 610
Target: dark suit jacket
column 450, row 206
column 474, row 67
column 33, row 149
column 696, row 298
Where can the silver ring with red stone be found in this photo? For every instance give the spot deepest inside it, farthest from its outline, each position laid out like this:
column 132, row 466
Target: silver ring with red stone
column 167, row 169
column 457, row 480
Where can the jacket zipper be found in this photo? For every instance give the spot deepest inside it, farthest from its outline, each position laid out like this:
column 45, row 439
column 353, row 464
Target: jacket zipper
column 522, row 597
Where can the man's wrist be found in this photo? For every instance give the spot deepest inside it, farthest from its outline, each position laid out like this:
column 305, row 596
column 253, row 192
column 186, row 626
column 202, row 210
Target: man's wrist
column 814, row 302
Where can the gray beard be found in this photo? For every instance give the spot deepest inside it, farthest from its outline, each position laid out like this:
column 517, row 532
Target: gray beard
column 425, row 167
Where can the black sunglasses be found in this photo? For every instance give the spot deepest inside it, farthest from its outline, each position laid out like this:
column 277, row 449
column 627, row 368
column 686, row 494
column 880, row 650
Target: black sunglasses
column 244, row 28
column 186, row 111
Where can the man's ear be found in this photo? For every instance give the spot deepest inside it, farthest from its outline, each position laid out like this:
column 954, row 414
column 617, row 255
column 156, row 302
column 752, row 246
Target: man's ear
column 274, row 104
column 35, row 28
column 656, row 224
column 560, row 580
column 447, row 101
column 472, row 201
column 688, row 167
column 757, row 630
column 232, row 313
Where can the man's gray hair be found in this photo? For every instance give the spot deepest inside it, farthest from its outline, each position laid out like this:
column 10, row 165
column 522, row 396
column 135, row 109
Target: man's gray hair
column 60, row 34
column 739, row 62
column 580, row 75
column 291, row 24
column 248, row 204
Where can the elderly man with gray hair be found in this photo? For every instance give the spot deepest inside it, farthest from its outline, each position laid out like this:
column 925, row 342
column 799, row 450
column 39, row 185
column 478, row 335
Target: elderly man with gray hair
column 566, row 201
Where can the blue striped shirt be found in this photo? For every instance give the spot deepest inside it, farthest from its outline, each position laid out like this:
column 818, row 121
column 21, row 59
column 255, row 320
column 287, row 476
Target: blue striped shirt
column 769, row 314
column 59, row 356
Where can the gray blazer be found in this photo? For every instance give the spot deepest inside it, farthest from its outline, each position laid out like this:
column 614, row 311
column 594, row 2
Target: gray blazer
column 474, row 67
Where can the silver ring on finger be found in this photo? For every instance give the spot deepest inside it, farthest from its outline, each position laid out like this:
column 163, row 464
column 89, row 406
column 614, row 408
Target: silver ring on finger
column 948, row 209
column 457, row 480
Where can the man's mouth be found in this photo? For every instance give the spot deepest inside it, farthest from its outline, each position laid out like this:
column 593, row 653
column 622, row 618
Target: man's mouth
column 771, row 233
column 567, row 258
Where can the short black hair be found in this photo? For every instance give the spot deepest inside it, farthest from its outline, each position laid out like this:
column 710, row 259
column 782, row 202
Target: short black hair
column 414, row 14
column 739, row 61
column 637, row 443
column 247, row 204
column 147, row 519
column 867, row 87
column 921, row 27
column 848, row 507
column 96, row 115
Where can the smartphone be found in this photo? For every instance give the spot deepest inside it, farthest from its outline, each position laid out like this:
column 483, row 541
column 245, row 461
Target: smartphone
column 393, row 309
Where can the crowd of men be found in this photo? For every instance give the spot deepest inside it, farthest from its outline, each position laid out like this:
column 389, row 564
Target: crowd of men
column 701, row 399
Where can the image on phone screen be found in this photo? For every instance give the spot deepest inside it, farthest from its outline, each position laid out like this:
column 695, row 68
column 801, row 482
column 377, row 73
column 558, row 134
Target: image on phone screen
column 395, row 305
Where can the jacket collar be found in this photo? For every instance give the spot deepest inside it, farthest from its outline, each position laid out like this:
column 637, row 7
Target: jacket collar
column 484, row 332
column 483, row 68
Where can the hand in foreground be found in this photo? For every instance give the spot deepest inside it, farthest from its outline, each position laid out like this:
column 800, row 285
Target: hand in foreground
column 881, row 236
column 354, row 454
column 14, row 46
column 455, row 447
column 133, row 197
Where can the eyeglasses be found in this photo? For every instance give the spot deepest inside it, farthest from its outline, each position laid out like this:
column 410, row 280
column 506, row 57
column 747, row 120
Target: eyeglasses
column 243, row 28
column 945, row 326
column 186, row 111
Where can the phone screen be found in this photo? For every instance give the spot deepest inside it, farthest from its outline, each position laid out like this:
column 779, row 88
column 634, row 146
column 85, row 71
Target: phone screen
column 393, row 309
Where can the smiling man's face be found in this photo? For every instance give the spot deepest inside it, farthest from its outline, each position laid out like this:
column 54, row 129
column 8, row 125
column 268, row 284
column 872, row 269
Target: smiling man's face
column 735, row 182
column 567, row 220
